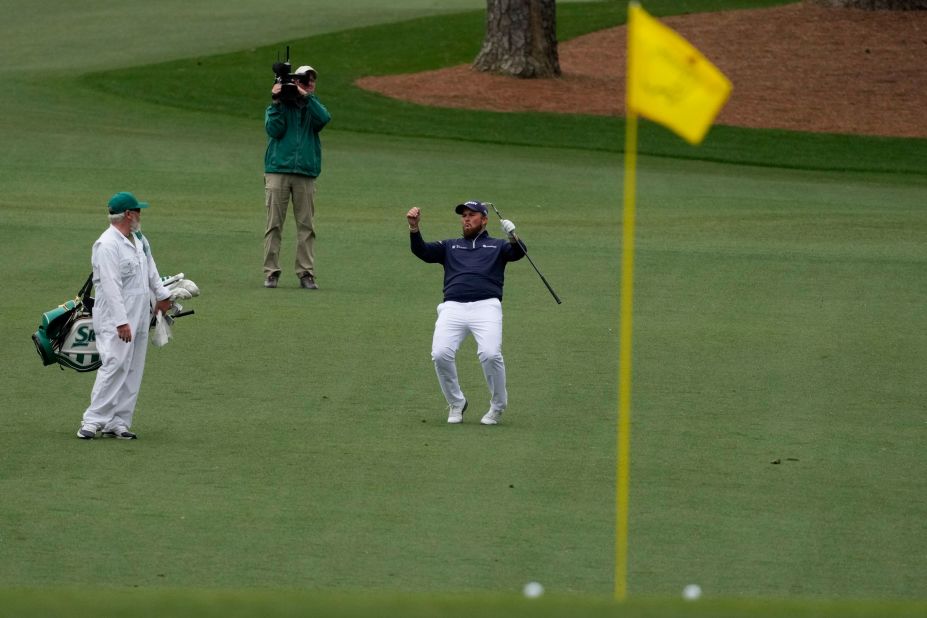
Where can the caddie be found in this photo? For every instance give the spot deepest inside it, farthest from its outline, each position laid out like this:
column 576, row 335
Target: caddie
column 125, row 280
column 474, row 274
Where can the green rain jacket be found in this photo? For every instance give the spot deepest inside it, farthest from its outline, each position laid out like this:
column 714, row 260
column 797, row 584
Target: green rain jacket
column 293, row 145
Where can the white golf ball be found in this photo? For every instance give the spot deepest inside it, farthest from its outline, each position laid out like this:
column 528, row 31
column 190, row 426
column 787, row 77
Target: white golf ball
column 533, row 590
column 692, row 592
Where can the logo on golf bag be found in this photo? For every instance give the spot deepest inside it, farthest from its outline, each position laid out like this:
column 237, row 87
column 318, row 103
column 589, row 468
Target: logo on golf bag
column 83, row 335
column 79, row 348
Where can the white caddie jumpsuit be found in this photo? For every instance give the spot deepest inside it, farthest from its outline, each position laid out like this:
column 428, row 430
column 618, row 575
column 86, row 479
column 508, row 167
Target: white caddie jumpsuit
column 124, row 279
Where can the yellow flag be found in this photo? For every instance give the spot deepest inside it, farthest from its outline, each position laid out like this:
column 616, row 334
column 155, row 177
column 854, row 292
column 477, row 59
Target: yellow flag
column 669, row 80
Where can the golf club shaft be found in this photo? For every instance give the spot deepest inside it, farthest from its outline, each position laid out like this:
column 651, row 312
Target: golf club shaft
column 154, row 320
column 525, row 250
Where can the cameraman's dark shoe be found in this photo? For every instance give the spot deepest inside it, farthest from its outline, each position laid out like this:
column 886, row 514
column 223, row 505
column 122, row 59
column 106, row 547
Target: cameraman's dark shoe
column 271, row 281
column 307, row 282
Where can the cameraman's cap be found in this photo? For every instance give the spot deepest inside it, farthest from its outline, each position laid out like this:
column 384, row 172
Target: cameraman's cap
column 124, row 201
column 305, row 70
column 473, row 205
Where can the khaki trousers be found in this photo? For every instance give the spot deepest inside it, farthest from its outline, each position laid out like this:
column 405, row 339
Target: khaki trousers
column 278, row 190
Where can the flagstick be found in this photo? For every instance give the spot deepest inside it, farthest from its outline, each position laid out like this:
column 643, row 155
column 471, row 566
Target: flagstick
column 623, row 445
column 658, row 60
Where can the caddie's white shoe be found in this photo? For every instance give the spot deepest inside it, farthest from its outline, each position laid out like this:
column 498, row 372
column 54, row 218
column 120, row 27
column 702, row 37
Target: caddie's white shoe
column 87, row 432
column 119, row 432
column 455, row 413
column 493, row 417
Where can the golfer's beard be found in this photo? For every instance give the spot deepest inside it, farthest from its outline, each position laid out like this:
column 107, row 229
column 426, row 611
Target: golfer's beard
column 472, row 233
column 135, row 226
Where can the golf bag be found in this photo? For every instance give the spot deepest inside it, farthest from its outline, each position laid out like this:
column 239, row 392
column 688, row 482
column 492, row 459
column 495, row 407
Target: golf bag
column 65, row 335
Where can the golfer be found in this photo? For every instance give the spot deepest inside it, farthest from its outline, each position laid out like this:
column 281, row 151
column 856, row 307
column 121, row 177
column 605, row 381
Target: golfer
column 125, row 279
column 474, row 273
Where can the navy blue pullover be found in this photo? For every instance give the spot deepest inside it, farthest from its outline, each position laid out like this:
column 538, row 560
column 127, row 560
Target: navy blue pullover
column 473, row 269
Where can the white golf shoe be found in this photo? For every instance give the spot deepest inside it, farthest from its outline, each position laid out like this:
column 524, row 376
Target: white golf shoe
column 87, row 432
column 455, row 413
column 493, row 417
column 121, row 433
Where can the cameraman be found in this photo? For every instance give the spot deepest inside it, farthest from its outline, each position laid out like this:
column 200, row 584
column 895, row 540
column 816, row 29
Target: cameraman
column 291, row 164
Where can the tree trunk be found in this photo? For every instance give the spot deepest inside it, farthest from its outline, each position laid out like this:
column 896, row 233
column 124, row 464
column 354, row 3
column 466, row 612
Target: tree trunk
column 521, row 39
column 874, row 5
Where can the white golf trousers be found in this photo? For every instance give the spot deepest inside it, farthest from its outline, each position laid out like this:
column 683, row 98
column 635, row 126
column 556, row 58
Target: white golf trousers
column 482, row 319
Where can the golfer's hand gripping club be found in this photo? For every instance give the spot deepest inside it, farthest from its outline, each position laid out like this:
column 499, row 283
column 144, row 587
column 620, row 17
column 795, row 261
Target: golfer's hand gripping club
column 506, row 224
column 509, row 228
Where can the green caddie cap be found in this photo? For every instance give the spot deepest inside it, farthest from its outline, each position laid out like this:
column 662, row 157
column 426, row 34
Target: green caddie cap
column 124, row 201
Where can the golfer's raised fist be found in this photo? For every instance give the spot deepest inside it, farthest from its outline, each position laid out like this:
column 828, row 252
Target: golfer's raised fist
column 414, row 216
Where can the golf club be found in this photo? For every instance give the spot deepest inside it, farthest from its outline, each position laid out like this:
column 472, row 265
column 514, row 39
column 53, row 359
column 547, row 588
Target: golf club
column 522, row 245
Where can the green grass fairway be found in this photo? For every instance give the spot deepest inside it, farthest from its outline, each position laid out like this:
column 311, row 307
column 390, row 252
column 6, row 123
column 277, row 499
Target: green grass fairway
column 293, row 454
